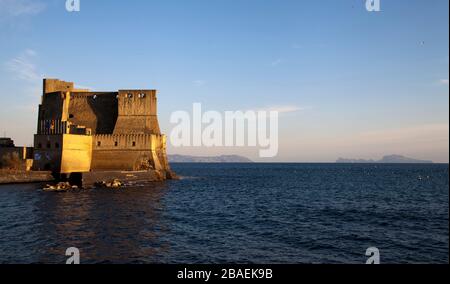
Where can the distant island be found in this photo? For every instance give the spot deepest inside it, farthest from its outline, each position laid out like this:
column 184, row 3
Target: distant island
column 216, row 159
column 391, row 159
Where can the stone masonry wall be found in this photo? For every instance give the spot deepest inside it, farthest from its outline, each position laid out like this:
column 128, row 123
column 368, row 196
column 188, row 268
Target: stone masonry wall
column 97, row 111
column 128, row 152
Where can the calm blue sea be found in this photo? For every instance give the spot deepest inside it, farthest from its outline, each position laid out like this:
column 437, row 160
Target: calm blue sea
column 238, row 213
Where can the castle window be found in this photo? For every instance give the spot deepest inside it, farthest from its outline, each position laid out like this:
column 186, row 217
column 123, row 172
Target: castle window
column 141, row 96
column 57, row 145
column 49, row 145
column 134, row 144
column 99, row 143
column 116, row 144
column 71, row 116
column 94, row 97
column 130, row 95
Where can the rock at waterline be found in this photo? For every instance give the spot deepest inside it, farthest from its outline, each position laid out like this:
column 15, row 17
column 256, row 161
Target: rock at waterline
column 115, row 184
column 60, row 187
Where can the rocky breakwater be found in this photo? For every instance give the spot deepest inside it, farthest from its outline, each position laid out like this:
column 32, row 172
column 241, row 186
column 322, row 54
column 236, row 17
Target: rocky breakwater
column 113, row 180
column 114, row 184
column 66, row 186
column 60, row 187
column 102, row 178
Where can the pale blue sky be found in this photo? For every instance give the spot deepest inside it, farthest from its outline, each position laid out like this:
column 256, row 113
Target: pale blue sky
column 358, row 84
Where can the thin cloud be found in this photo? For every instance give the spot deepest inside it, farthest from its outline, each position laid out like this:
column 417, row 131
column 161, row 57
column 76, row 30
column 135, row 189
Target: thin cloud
column 15, row 8
column 23, row 67
column 444, row 82
column 284, row 109
column 199, row 83
column 276, row 62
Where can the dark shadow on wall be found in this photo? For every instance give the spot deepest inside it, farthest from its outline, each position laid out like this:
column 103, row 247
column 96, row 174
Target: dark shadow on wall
column 105, row 108
column 97, row 111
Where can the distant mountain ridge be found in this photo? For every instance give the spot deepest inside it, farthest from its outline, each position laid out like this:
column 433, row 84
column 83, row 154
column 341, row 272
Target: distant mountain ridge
column 216, row 159
column 391, row 159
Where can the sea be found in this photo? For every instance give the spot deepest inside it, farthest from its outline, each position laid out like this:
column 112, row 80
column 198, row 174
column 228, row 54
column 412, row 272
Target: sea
column 238, row 214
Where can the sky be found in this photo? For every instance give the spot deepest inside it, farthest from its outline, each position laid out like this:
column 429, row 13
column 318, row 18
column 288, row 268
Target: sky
column 347, row 82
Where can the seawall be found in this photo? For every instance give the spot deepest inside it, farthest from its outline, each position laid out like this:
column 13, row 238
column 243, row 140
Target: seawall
column 10, row 176
column 126, row 177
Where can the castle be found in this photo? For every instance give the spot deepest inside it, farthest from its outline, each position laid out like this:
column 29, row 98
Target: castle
column 80, row 131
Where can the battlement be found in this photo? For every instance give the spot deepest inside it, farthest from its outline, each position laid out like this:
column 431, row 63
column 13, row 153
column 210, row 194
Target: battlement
column 87, row 94
column 121, row 112
column 55, row 85
column 132, row 142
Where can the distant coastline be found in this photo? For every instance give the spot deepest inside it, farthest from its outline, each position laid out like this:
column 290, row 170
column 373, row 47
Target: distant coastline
column 213, row 159
column 391, row 159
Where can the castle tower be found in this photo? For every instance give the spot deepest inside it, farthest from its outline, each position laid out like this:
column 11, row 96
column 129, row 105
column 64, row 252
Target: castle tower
column 82, row 131
column 137, row 112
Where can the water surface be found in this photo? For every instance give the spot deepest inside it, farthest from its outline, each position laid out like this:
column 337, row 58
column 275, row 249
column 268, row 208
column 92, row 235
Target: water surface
column 238, row 213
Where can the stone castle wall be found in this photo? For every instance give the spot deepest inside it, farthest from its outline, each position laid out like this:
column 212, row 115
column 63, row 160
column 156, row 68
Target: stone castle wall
column 137, row 112
column 54, row 85
column 128, row 152
column 97, row 111
column 124, row 127
column 62, row 153
column 52, row 106
column 25, row 155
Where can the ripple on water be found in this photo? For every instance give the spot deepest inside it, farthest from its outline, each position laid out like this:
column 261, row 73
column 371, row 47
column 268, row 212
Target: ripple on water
column 233, row 213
